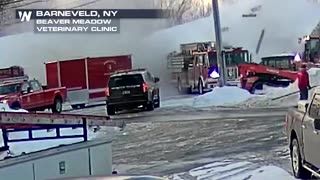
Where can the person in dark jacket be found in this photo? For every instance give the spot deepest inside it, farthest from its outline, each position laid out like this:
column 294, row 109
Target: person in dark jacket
column 303, row 82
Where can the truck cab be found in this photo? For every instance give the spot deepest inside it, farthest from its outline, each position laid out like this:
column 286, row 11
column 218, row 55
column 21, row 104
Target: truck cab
column 233, row 57
column 280, row 61
column 303, row 133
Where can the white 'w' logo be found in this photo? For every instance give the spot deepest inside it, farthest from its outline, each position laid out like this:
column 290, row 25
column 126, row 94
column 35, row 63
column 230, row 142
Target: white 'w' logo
column 25, row 15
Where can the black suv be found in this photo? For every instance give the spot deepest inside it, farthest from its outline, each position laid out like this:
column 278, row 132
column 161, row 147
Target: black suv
column 131, row 89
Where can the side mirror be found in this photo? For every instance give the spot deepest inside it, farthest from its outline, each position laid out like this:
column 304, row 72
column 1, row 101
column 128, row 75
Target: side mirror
column 156, row 79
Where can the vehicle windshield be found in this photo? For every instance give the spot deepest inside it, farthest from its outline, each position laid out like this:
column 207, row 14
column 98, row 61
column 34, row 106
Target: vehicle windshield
column 231, row 58
column 236, row 58
column 9, row 89
column 281, row 62
column 126, row 80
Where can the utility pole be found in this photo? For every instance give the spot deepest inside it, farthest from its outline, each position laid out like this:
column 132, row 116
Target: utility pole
column 221, row 61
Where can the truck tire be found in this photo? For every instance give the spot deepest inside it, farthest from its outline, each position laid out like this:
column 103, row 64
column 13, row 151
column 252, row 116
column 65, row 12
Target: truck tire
column 111, row 110
column 15, row 106
column 157, row 104
column 57, row 105
column 298, row 170
column 150, row 105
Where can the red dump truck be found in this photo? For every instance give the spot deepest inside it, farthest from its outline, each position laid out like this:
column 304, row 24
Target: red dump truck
column 18, row 92
column 85, row 78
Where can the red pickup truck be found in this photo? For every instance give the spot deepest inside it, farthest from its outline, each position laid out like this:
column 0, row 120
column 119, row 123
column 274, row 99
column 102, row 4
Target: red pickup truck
column 32, row 96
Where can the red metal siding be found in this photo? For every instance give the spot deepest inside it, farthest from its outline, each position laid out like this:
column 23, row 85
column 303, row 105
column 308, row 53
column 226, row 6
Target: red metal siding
column 73, row 73
column 100, row 69
column 52, row 75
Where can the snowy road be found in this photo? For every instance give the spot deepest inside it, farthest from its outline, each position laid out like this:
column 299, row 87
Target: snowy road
column 175, row 140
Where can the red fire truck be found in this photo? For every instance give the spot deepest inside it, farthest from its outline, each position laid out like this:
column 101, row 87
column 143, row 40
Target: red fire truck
column 195, row 68
column 85, row 78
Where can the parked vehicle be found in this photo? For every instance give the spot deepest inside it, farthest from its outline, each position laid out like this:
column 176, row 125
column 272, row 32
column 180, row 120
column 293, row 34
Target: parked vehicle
column 195, row 68
column 131, row 89
column 30, row 95
column 303, row 134
column 85, row 78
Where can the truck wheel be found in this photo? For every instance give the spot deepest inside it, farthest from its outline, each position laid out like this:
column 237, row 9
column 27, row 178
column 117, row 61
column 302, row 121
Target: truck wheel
column 111, row 110
column 157, row 103
column 298, row 170
column 57, row 105
column 15, row 106
column 150, row 105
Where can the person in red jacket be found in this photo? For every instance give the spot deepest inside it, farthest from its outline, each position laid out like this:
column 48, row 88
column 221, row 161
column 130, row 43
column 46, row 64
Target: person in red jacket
column 303, row 82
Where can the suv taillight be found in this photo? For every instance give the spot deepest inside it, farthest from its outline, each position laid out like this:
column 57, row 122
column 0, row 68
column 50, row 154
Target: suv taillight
column 107, row 91
column 144, row 87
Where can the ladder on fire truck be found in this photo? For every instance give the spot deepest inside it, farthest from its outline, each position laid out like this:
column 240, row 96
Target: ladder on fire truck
column 29, row 122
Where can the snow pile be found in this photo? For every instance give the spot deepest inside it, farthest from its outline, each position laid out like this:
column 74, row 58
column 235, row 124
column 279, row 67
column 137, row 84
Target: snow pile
column 292, row 89
column 235, row 171
column 219, row 96
column 4, row 107
column 222, row 96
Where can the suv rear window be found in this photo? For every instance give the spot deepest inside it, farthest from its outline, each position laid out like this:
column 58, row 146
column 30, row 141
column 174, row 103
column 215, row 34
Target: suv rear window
column 126, row 80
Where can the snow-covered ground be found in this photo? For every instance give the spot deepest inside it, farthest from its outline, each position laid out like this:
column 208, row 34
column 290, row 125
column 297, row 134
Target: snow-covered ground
column 234, row 171
column 4, row 107
column 219, row 96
